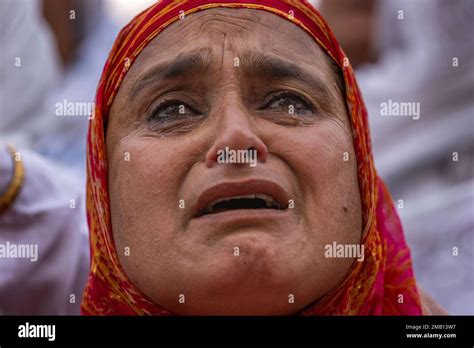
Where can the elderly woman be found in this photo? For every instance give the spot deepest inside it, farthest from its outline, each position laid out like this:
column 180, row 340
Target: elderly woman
column 230, row 171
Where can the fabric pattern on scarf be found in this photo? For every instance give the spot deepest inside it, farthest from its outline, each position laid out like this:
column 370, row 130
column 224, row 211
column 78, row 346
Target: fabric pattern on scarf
column 383, row 284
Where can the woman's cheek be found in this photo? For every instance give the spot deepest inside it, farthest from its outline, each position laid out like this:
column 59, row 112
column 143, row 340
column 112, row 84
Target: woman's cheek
column 324, row 164
column 316, row 154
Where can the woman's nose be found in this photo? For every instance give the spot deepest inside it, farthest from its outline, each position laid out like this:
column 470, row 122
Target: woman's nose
column 235, row 132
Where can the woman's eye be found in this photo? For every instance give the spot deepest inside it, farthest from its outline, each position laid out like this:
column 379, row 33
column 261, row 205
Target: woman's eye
column 170, row 109
column 290, row 103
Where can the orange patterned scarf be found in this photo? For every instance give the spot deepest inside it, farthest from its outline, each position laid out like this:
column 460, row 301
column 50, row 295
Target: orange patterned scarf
column 383, row 284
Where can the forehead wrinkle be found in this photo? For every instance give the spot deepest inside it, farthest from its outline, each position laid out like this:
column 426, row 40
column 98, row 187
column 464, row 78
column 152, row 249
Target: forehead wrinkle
column 222, row 23
column 228, row 22
column 216, row 21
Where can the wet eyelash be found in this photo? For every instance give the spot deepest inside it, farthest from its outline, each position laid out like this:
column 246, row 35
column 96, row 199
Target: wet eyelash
column 164, row 104
column 287, row 94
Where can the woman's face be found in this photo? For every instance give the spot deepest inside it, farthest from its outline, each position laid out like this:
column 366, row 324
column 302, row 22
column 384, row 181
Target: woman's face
column 200, row 236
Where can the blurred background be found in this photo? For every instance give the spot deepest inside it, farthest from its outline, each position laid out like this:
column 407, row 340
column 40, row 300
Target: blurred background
column 404, row 51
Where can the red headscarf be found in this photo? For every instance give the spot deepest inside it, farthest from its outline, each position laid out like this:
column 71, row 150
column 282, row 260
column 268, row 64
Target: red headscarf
column 383, row 284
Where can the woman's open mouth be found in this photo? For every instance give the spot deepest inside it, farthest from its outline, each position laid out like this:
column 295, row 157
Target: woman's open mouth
column 258, row 195
column 251, row 201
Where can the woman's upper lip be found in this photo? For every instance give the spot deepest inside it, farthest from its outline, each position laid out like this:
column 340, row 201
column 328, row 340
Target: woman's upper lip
column 238, row 188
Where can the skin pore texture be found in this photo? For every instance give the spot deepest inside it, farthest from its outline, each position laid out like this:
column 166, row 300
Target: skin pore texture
column 228, row 78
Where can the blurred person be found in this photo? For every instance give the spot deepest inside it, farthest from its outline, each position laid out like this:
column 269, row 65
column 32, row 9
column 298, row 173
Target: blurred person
column 426, row 57
column 432, row 65
column 43, row 236
column 71, row 21
column 84, row 34
column 29, row 70
column 354, row 24
column 36, row 195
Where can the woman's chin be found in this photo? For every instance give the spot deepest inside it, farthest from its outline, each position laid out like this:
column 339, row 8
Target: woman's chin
column 258, row 282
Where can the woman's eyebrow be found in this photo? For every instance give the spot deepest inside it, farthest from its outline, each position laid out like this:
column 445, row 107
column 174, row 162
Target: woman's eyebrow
column 275, row 68
column 255, row 64
column 197, row 61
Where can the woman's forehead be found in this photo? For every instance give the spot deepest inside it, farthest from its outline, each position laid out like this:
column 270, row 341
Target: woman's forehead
column 241, row 31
